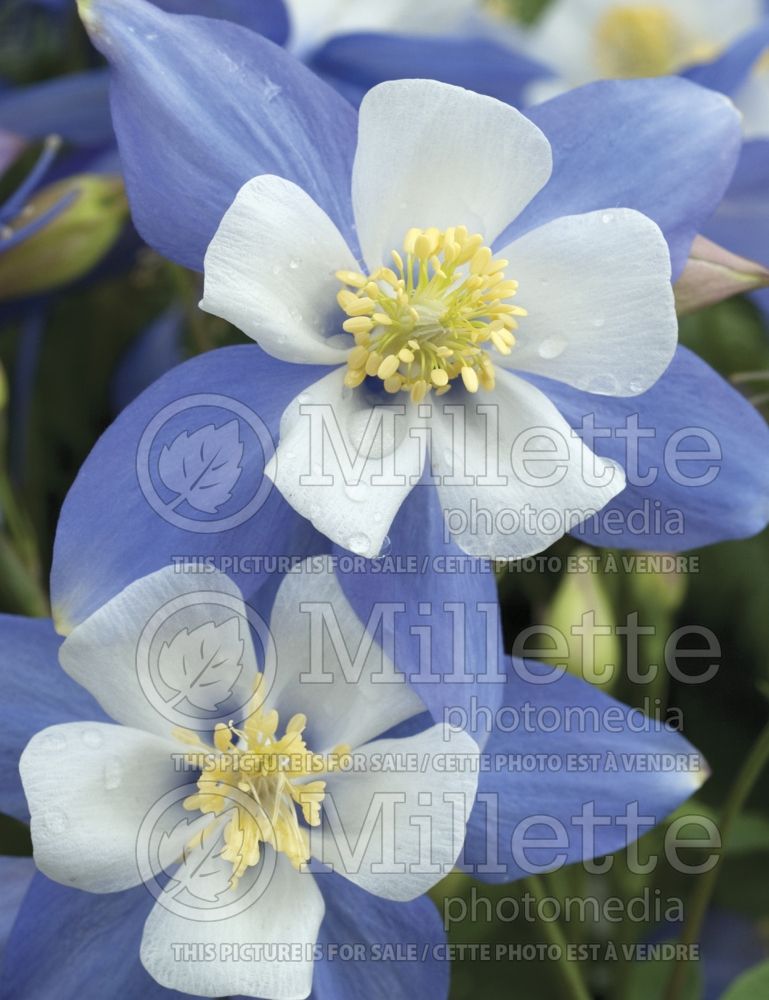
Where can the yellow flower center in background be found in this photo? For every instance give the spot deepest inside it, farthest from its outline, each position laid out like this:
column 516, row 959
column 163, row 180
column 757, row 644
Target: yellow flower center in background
column 430, row 320
column 637, row 40
column 272, row 772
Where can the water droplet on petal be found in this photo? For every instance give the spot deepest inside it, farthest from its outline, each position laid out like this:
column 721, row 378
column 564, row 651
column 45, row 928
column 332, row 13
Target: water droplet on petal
column 276, row 268
column 359, row 544
column 303, row 397
column 294, row 263
column 637, row 385
column 599, row 322
column 386, row 546
column 552, row 348
column 602, row 385
column 53, row 742
column 55, row 821
column 606, row 218
column 295, row 314
column 355, row 493
column 92, row 738
column 113, row 774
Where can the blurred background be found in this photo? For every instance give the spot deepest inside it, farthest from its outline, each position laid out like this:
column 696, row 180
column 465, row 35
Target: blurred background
column 89, row 317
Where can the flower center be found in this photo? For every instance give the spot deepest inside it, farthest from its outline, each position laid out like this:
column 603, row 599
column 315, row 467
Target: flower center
column 637, row 40
column 431, row 319
column 271, row 775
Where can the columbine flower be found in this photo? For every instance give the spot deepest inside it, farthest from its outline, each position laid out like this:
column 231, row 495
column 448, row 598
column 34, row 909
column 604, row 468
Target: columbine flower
column 665, row 148
column 718, row 45
column 275, row 765
column 612, row 39
column 173, row 665
column 435, row 310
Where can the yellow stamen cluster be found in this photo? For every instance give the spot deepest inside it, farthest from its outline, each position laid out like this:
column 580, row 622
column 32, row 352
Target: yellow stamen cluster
column 273, row 773
column 638, row 40
column 426, row 321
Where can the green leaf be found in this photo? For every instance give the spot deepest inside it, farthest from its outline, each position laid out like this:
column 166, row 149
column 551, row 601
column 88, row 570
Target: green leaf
column 751, row 985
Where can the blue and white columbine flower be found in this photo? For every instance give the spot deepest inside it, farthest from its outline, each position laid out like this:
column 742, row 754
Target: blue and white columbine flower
column 585, row 40
column 267, row 747
column 110, row 810
column 440, row 175
column 718, row 45
column 664, row 148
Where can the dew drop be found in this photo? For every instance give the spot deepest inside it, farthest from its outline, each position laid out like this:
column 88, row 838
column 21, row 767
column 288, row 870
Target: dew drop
column 294, row 263
column 295, row 314
column 552, row 348
column 303, row 397
column 606, row 218
column 55, row 821
column 53, row 742
column 276, row 268
column 92, row 738
column 113, row 774
column 599, row 322
column 386, row 546
column 376, row 517
column 358, row 544
column 602, row 385
column 636, row 385
column 355, row 493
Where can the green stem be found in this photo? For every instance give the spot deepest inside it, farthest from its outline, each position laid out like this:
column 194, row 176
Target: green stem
column 698, row 905
column 18, row 586
column 568, row 971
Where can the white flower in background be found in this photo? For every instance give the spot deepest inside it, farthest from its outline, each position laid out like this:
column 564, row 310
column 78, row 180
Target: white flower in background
column 313, row 22
column 585, row 40
column 430, row 332
column 289, row 777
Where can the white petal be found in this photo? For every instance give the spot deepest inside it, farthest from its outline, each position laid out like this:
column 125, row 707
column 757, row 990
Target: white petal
column 717, row 23
column 347, row 463
column 601, row 312
column 397, row 831
column 752, row 100
column 173, row 649
column 430, row 154
column 563, row 40
column 269, row 270
column 515, row 477
column 329, row 666
column 90, row 786
column 314, row 21
column 234, row 948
